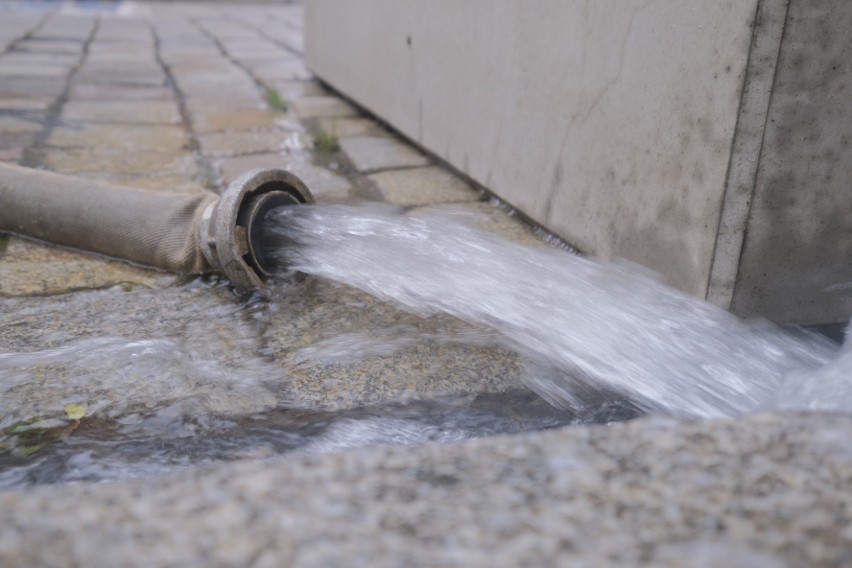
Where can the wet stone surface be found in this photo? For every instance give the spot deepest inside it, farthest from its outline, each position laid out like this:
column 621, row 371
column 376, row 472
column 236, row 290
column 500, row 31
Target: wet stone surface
column 28, row 268
column 297, row 331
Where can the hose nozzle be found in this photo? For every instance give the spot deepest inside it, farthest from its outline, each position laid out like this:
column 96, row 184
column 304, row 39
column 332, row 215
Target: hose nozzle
column 230, row 227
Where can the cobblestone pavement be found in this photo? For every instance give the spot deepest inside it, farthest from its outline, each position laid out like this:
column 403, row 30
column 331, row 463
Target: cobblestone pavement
column 184, row 97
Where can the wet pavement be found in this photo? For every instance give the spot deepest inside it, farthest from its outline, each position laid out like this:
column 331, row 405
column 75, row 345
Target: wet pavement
column 185, row 97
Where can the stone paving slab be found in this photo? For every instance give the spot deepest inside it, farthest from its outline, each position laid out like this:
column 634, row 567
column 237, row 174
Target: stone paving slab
column 205, row 121
column 15, row 125
column 351, row 127
column 141, row 138
column 138, row 112
column 423, row 186
column 122, row 74
column 295, row 90
column 24, row 70
column 323, row 183
column 17, row 87
column 82, row 91
column 240, row 142
column 25, row 104
column 43, row 45
column 33, row 60
column 212, row 101
column 28, row 268
column 281, row 71
column 142, row 162
column 203, row 85
column 369, row 153
column 323, row 107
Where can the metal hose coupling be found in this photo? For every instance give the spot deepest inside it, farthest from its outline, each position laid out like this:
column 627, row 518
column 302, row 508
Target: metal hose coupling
column 230, row 227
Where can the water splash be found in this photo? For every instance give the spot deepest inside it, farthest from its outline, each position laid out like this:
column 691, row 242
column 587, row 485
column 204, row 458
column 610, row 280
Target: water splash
column 151, row 384
column 587, row 327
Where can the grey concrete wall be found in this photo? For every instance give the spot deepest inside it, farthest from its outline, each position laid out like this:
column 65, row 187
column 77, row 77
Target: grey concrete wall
column 796, row 262
column 630, row 129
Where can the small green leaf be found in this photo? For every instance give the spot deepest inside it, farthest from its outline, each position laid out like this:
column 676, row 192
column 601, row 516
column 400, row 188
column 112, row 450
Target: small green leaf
column 75, row 411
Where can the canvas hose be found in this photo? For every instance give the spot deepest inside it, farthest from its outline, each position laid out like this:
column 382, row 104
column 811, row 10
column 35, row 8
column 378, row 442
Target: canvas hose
column 187, row 233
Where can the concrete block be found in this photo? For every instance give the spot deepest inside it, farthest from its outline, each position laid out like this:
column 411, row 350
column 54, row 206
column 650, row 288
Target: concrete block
column 291, row 90
column 27, row 70
column 281, row 71
column 351, row 127
column 25, row 104
column 123, row 73
column 240, row 142
column 323, row 106
column 218, row 120
column 322, row 183
column 37, row 87
column 83, row 91
column 796, row 260
column 378, row 153
column 15, row 125
column 133, row 112
column 423, row 186
column 143, row 138
column 650, row 131
column 50, row 46
column 82, row 160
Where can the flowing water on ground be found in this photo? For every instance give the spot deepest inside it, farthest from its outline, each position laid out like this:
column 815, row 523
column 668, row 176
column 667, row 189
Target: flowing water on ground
column 120, row 383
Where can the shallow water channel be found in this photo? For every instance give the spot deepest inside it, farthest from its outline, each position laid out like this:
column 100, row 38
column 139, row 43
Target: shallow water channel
column 409, row 328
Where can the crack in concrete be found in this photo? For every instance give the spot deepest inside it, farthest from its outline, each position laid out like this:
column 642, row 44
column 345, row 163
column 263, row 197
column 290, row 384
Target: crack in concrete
column 580, row 117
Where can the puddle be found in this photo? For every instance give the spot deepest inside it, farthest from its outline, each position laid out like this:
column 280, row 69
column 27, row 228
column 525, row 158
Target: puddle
column 194, row 374
column 114, row 449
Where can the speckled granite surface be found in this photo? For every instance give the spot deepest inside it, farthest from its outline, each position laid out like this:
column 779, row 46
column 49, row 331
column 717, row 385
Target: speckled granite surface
column 763, row 491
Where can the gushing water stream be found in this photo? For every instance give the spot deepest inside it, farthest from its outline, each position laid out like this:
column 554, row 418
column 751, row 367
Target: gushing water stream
column 585, row 326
